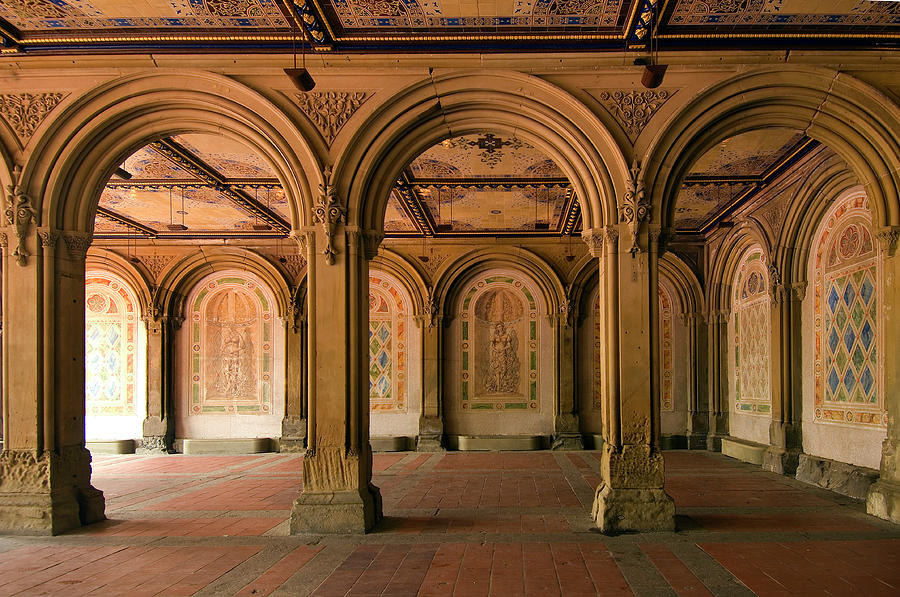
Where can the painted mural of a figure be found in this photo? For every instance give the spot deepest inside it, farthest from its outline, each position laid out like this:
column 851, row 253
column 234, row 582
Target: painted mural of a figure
column 499, row 313
column 504, row 364
column 231, row 325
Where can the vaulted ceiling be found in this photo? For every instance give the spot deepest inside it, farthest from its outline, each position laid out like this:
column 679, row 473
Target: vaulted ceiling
column 442, row 25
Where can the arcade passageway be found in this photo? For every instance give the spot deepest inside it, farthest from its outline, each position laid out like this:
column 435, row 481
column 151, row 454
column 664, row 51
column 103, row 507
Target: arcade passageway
column 469, row 524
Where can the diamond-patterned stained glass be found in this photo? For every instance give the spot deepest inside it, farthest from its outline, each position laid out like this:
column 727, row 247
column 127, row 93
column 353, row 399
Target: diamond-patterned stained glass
column 110, row 344
column 847, row 319
column 388, row 312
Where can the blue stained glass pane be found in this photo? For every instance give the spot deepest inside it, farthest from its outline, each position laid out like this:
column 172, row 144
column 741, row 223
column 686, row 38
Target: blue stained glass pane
column 867, row 380
column 833, row 380
column 849, row 337
column 384, row 333
column 833, row 299
column 383, row 360
column 112, row 335
column 833, row 340
column 867, row 290
column 849, row 379
column 848, row 293
column 867, row 335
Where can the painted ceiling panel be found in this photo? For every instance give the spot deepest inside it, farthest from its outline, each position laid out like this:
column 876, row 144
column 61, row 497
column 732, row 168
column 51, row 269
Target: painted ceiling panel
column 107, row 226
column 204, row 208
column 783, row 13
column 495, row 209
column 149, row 164
column 270, row 196
column 697, row 204
column 395, row 219
column 230, row 158
column 486, row 155
column 59, row 15
column 748, row 154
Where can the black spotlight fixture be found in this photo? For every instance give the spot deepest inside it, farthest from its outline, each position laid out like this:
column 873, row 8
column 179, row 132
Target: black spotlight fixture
column 300, row 77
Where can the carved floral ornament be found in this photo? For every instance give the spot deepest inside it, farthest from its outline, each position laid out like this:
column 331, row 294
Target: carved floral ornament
column 328, row 212
column 634, row 208
column 25, row 111
column 330, row 110
column 634, row 108
column 19, row 213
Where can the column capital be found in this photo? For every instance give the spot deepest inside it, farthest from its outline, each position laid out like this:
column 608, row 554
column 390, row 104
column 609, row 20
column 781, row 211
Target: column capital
column 78, row 243
column 888, row 236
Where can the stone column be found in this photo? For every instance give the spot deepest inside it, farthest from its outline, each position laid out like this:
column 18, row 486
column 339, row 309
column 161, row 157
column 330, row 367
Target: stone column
column 786, row 375
column 44, row 468
column 697, row 424
column 566, row 425
column 294, row 423
column 884, row 495
column 630, row 496
column 719, row 405
column 159, row 426
column 431, row 423
column 338, row 495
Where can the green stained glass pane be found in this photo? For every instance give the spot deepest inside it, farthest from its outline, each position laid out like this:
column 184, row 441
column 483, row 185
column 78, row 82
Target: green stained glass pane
column 373, row 371
column 841, row 318
column 515, row 405
column 841, row 396
column 858, row 357
column 533, row 390
column 465, row 361
column 196, row 330
column 857, row 314
column 230, row 280
column 482, row 406
column 266, row 362
column 200, row 297
column 196, row 364
column 465, row 330
column 533, row 361
column 465, row 390
column 267, row 332
column 533, row 330
column 195, row 393
column 841, row 358
column 857, row 277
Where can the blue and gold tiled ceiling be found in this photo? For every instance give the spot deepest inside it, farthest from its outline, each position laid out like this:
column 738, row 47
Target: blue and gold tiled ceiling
column 441, row 25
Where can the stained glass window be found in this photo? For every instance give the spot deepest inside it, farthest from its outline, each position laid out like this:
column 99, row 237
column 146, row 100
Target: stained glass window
column 752, row 321
column 847, row 322
column 388, row 313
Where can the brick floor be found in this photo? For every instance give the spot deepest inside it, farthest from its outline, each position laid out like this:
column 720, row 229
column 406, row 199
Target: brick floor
column 466, row 524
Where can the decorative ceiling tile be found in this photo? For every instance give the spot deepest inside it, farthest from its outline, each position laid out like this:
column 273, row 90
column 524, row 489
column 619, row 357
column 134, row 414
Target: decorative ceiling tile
column 148, row 164
column 395, row 219
column 486, row 155
column 229, row 158
column 697, row 204
column 747, row 154
column 330, row 110
column 633, row 108
column 24, row 112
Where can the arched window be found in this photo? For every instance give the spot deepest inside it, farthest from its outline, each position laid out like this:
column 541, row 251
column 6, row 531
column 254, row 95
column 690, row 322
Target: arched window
column 388, row 347
column 752, row 313
column 110, row 344
column 232, row 353
column 665, row 350
column 846, row 318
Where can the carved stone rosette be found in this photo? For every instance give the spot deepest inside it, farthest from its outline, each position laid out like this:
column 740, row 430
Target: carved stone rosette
column 634, row 209
column 328, row 213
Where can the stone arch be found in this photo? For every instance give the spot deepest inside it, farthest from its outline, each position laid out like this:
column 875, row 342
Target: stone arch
column 76, row 156
column 852, row 118
column 725, row 263
column 456, row 103
column 412, row 282
column 180, row 278
column 683, row 281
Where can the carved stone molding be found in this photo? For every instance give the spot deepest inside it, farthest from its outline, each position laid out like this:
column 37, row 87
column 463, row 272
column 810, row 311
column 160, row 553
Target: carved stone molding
column 633, row 108
column 330, row 110
column 567, row 311
column 888, row 237
column 431, row 309
column 432, row 261
column 78, row 243
column 155, row 264
column 634, row 208
column 328, row 213
column 594, row 237
column 798, row 290
column 24, row 112
column 777, row 290
column 20, row 214
column 294, row 264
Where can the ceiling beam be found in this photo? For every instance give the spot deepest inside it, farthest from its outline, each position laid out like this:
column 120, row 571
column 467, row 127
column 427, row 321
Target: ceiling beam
column 128, row 222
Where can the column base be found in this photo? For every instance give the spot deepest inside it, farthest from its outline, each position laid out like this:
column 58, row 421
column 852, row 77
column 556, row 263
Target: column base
column 152, row 444
column 714, row 442
column 883, row 500
column 47, row 494
column 696, row 441
column 621, row 510
column 336, row 512
column 567, row 441
column 293, row 435
column 431, row 435
column 781, row 461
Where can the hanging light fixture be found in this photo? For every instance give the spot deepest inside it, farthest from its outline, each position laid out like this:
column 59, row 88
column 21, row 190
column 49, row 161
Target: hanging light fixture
column 653, row 72
column 300, row 77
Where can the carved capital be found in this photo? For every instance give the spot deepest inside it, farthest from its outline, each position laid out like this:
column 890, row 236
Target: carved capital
column 798, row 290
column 888, row 236
column 4, row 241
column 634, row 208
column 777, row 290
column 593, row 237
column 328, row 212
column 611, row 234
column 78, row 243
column 48, row 236
column 371, row 241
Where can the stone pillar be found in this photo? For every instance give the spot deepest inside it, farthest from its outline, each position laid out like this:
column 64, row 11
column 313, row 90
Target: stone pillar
column 293, row 425
column 431, row 423
column 159, row 426
column 630, row 496
column 719, row 405
column 566, row 425
column 338, row 495
column 45, row 470
column 883, row 499
column 697, row 424
column 786, row 375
